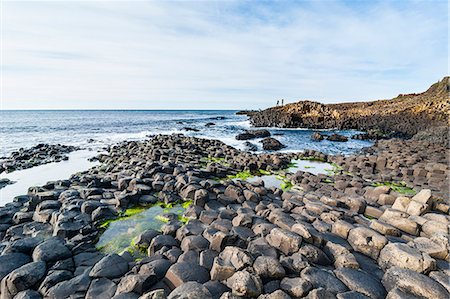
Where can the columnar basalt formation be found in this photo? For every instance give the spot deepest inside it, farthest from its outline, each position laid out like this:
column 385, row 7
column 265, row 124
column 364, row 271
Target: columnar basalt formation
column 328, row 237
column 403, row 116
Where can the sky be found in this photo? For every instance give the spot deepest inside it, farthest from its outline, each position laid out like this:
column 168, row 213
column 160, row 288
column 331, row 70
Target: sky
column 217, row 54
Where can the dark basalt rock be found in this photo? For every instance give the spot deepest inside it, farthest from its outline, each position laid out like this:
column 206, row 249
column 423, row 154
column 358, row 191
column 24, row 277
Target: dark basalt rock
column 111, row 266
column 253, row 134
column 11, row 261
column 23, row 278
column 317, row 136
column 337, row 138
column 271, row 144
column 406, row 114
column 191, row 129
column 243, row 238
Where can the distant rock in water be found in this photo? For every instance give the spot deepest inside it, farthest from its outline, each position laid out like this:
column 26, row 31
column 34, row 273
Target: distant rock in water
column 250, row 146
column 317, row 136
column 337, row 138
column 271, row 144
column 405, row 115
column 191, row 129
column 253, row 134
column 245, row 112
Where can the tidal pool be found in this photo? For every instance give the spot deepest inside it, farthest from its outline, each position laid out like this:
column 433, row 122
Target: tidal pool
column 278, row 181
column 120, row 232
column 40, row 175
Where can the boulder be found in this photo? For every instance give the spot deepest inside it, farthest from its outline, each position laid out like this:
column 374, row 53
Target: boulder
column 22, row 278
column 230, row 260
column 196, row 243
column 314, row 255
column 434, row 249
column 183, row 272
column 190, row 290
column 245, row 284
column 424, row 197
column 11, row 261
column 268, row 267
column 337, row 138
column 316, row 136
column 136, row 283
column 51, row 250
column 323, row 279
column 145, row 238
column 111, row 266
column 158, row 267
column 68, row 288
column 271, row 144
column 101, row 288
column 52, row 278
column 413, row 283
column 284, row 240
column 278, row 294
column 403, row 256
column 296, row 287
column 366, row 241
column 28, row 294
column 360, row 281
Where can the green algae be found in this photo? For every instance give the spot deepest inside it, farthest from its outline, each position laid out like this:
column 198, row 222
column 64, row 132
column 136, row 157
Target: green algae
column 119, row 233
column 399, row 187
column 334, row 170
column 242, row 175
column 209, row 160
column 264, row 172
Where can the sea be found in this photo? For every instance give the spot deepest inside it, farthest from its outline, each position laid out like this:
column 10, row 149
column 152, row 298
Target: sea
column 93, row 130
column 98, row 128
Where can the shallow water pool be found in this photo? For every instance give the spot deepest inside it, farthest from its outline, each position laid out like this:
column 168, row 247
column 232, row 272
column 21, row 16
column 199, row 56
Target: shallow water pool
column 120, row 232
column 275, row 180
column 40, row 175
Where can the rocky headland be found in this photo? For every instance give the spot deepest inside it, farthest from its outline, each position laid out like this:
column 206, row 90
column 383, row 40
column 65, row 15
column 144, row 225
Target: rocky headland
column 424, row 115
column 355, row 232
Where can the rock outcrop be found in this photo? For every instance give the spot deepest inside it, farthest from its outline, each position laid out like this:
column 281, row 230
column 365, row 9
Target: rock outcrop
column 403, row 116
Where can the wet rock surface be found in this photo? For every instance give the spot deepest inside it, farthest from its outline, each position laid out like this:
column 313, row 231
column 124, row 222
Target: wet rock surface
column 328, row 236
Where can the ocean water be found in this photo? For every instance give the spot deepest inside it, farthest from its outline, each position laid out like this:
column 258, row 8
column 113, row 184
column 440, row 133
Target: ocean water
column 97, row 128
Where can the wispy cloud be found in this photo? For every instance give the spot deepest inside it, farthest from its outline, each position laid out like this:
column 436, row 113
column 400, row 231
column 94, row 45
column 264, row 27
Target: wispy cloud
column 217, row 54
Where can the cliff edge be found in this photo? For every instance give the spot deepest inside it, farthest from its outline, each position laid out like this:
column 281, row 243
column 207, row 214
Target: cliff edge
column 405, row 116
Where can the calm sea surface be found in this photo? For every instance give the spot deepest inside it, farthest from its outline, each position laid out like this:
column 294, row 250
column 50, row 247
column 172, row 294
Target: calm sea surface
column 95, row 129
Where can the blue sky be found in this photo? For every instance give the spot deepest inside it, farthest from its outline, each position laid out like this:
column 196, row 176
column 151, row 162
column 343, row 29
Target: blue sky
column 217, row 54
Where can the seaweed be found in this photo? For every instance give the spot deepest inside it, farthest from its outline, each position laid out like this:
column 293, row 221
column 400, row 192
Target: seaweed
column 242, row 175
column 399, row 187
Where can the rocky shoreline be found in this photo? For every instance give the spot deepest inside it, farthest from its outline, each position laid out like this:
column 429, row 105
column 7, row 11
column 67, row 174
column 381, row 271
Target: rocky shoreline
column 34, row 156
column 425, row 114
column 357, row 233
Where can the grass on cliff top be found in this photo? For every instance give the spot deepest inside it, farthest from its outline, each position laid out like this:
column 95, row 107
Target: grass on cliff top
column 399, row 187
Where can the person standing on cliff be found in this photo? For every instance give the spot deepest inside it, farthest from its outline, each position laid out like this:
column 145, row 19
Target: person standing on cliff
column 278, row 102
column 282, row 102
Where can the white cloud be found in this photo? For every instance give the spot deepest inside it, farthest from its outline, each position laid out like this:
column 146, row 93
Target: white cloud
column 216, row 55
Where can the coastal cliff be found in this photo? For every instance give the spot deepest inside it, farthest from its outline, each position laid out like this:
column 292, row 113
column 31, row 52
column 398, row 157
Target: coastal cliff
column 404, row 116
